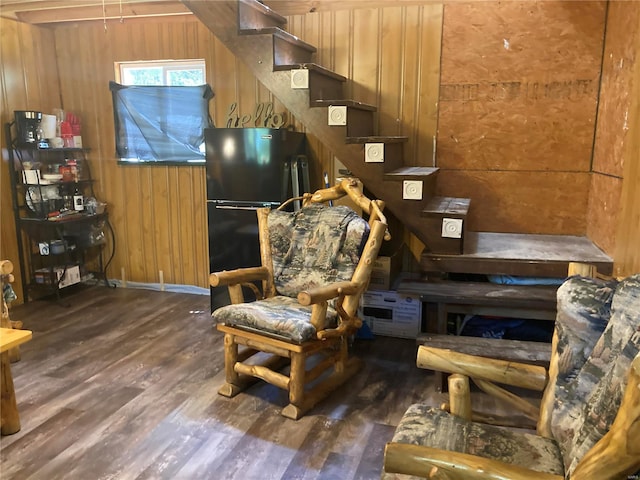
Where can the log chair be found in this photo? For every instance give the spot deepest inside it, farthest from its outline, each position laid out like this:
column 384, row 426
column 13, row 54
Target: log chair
column 316, row 263
column 588, row 422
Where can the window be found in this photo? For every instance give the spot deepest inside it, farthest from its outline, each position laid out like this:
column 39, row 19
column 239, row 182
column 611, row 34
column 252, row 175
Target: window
column 161, row 109
column 182, row 73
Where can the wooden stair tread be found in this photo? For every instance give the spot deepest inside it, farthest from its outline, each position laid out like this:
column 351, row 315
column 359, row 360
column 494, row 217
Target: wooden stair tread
column 253, row 15
column 315, row 68
column 412, row 172
column 447, row 206
column 376, row 139
column 519, row 254
column 265, row 10
column 345, row 103
column 282, row 34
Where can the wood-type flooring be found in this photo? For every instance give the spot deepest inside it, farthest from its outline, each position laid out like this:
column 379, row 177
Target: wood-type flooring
column 122, row 384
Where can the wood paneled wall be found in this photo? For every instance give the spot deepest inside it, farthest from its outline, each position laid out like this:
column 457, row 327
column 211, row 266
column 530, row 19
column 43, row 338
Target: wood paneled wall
column 28, row 81
column 159, row 213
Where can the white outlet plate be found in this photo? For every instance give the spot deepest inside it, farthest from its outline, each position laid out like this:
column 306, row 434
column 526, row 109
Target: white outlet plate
column 452, row 228
column 300, row 78
column 374, row 152
column 337, row 115
column 412, row 190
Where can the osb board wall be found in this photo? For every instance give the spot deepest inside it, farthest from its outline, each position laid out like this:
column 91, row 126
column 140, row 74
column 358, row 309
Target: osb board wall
column 613, row 127
column 28, row 81
column 518, row 96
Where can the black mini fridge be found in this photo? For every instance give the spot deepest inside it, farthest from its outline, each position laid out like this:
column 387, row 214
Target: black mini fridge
column 247, row 168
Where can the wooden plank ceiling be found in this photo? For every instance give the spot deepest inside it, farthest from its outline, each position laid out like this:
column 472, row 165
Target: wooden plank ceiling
column 58, row 11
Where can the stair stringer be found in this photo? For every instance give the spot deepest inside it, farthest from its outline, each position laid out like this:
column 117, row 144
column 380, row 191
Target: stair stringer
column 221, row 18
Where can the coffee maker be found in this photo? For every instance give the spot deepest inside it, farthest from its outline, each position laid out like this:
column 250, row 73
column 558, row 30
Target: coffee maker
column 27, row 123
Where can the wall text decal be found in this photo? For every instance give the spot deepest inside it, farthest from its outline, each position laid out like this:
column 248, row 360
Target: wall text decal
column 262, row 117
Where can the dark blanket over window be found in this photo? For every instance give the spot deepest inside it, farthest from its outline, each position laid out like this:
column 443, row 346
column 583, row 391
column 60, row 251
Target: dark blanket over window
column 160, row 123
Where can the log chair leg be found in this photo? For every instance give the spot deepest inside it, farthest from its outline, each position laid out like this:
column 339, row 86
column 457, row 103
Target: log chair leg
column 460, row 396
column 232, row 386
column 9, row 409
column 296, row 386
column 344, row 369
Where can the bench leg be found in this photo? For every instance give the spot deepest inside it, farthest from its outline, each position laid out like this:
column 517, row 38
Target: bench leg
column 8, row 406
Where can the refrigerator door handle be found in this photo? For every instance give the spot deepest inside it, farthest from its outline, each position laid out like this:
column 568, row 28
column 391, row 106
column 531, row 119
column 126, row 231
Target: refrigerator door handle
column 237, row 207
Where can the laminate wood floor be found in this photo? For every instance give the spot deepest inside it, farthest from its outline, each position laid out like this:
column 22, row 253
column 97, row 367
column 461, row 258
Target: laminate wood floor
column 122, row 384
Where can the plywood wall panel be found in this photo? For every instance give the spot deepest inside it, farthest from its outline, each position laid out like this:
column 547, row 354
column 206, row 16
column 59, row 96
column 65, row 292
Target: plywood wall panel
column 519, row 85
column 603, row 209
column 518, row 92
column 511, row 201
column 613, row 130
column 619, row 60
column 484, row 41
column 515, row 133
column 627, row 249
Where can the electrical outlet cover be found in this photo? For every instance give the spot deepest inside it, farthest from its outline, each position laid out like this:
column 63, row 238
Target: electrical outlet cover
column 452, row 228
column 412, row 190
column 300, row 78
column 337, row 115
column 374, row 152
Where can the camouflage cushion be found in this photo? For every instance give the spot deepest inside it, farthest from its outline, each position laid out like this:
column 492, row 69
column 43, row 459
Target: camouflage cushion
column 584, row 308
column 586, row 404
column 432, row 427
column 315, row 246
column 279, row 316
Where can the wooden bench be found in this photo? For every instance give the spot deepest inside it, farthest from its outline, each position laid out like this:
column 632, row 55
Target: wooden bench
column 481, row 298
column 9, row 338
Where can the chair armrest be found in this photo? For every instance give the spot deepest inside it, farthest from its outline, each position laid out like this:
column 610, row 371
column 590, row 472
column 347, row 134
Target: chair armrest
column 240, row 275
column 515, row 374
column 430, row 462
column 318, row 298
column 327, row 292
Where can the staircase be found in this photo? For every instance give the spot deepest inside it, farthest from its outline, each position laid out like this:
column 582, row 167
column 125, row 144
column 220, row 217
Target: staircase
column 314, row 95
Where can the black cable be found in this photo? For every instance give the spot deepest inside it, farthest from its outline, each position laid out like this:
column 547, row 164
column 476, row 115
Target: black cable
column 113, row 251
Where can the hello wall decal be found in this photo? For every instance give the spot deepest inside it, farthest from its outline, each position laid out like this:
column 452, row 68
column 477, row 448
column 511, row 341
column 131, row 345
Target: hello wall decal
column 263, row 117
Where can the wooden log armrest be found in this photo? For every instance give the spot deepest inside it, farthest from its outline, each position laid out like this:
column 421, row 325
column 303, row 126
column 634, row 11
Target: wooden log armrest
column 515, row 374
column 430, row 462
column 328, row 292
column 240, row 275
column 318, row 298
